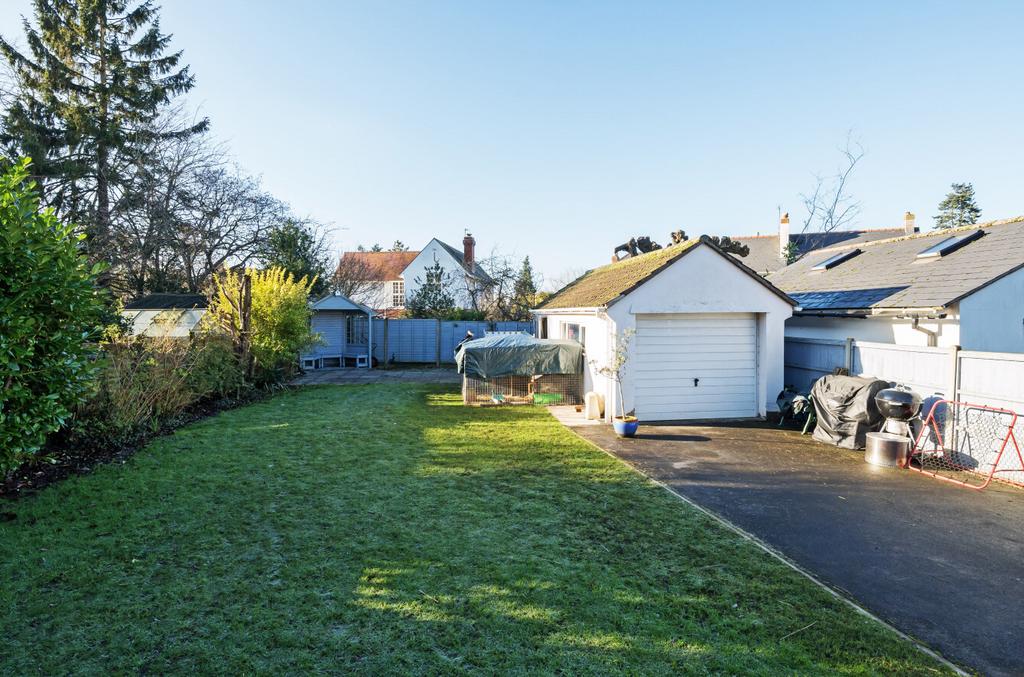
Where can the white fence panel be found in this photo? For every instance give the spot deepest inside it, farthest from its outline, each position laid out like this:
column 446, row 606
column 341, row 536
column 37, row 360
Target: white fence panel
column 995, row 379
column 807, row 360
column 927, row 371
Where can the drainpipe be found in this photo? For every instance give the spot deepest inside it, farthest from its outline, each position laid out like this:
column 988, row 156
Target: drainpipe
column 933, row 336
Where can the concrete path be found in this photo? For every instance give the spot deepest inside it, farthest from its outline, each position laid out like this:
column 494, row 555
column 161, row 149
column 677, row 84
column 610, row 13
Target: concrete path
column 942, row 563
column 444, row 374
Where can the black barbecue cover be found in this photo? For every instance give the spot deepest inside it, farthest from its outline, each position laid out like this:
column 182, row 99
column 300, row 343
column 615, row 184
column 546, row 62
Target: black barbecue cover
column 846, row 409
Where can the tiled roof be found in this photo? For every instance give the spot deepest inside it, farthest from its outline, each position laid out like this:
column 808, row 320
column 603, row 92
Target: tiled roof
column 379, row 266
column 602, row 286
column 168, row 302
column 460, row 257
column 888, row 275
column 764, row 249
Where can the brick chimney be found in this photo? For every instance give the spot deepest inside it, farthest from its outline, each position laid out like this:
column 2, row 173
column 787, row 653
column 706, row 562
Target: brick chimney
column 908, row 224
column 783, row 235
column 469, row 252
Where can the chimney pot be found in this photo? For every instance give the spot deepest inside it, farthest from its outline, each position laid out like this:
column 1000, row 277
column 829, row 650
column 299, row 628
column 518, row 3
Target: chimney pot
column 783, row 235
column 469, row 252
column 908, row 224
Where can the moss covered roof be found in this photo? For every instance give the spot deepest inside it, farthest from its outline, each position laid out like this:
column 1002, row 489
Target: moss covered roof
column 598, row 287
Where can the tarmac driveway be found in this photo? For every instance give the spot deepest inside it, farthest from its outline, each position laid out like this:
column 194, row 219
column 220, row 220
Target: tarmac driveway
column 942, row 563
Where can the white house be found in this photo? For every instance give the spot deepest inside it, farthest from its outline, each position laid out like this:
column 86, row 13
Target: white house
column 394, row 277
column 378, row 279
column 962, row 287
column 708, row 338
column 460, row 271
column 165, row 315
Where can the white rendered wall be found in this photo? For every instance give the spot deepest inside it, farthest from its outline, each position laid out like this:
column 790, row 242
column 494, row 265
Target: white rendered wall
column 416, row 272
column 876, row 329
column 703, row 282
column 993, row 319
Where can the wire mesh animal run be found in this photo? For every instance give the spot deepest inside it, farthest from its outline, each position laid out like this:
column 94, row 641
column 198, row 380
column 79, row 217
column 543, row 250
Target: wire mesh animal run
column 545, row 389
column 969, row 444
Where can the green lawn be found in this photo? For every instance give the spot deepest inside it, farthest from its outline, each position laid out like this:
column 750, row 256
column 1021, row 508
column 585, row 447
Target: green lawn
column 387, row 529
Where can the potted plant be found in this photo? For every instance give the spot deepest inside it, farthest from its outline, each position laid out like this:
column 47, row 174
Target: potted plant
column 624, row 425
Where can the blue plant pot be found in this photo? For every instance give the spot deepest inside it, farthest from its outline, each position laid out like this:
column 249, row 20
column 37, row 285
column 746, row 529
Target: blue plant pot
column 625, row 428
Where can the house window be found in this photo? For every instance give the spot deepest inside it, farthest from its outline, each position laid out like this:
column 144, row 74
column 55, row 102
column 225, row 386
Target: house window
column 574, row 332
column 398, row 294
column 356, row 329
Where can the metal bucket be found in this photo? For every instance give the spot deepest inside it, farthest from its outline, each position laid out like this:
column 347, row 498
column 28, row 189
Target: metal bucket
column 886, row 450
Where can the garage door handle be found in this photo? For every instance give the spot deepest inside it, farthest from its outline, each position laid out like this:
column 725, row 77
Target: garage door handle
column 695, row 382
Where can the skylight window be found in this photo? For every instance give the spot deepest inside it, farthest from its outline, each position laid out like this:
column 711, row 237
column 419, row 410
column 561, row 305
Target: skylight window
column 833, row 261
column 950, row 244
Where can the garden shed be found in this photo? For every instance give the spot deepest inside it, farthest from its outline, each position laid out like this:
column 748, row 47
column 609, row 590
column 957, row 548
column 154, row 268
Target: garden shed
column 704, row 333
column 346, row 332
column 516, row 368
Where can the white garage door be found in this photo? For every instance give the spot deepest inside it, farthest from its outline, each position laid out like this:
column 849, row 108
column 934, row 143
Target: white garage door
column 696, row 366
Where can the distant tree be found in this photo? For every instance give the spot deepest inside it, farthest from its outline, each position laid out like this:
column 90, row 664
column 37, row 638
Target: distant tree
column 830, row 206
column 399, row 246
column 88, row 91
column 359, row 280
column 524, row 292
column 433, row 297
column 299, row 247
column 791, row 252
column 376, row 248
column 958, row 208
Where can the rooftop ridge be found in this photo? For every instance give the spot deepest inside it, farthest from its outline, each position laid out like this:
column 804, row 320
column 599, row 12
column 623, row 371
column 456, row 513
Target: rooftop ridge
column 919, row 236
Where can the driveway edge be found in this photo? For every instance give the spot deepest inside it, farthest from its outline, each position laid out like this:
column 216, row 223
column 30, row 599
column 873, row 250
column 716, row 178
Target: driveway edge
column 923, row 648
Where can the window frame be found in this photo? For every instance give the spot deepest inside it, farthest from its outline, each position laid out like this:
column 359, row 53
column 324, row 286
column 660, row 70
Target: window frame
column 579, row 329
column 398, row 293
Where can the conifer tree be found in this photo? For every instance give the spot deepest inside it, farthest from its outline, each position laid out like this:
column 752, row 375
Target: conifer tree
column 958, row 208
column 89, row 89
column 524, row 292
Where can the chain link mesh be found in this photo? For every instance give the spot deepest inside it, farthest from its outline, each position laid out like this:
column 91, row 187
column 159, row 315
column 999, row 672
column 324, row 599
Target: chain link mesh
column 544, row 389
column 969, row 444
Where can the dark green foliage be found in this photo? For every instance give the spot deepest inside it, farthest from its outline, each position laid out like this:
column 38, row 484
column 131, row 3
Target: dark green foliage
column 49, row 309
column 399, row 246
column 386, row 529
column 90, row 88
column 958, row 208
column 524, row 293
column 434, row 297
column 300, row 250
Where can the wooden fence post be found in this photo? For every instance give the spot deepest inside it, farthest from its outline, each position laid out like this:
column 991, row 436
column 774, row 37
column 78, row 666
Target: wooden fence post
column 848, row 356
column 954, row 356
column 437, row 343
column 387, row 360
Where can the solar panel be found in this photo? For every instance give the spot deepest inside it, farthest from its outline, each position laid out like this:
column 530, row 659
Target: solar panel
column 950, row 244
column 833, row 261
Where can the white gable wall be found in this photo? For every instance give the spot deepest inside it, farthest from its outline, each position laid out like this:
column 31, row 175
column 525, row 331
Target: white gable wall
column 417, row 271
column 699, row 282
column 992, row 319
column 702, row 281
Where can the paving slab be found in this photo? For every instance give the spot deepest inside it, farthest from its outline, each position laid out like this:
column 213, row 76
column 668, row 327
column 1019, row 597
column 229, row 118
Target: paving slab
column 941, row 563
column 349, row 375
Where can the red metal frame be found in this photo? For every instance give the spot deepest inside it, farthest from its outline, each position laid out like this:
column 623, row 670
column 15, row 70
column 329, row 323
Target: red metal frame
column 931, row 424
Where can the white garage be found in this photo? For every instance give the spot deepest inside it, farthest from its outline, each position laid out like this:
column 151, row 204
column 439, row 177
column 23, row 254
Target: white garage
column 696, row 366
column 704, row 333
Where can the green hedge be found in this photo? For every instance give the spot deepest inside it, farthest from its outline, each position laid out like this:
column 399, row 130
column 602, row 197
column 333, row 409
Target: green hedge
column 49, row 311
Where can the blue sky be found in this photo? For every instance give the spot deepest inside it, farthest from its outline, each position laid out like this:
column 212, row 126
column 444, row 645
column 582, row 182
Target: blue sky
column 559, row 129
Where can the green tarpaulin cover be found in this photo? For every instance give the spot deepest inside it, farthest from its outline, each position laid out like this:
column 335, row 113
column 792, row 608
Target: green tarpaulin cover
column 518, row 355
